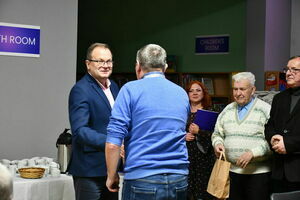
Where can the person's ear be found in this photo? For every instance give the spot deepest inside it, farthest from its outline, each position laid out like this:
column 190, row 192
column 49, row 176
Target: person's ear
column 253, row 90
column 166, row 67
column 137, row 67
column 87, row 62
column 138, row 70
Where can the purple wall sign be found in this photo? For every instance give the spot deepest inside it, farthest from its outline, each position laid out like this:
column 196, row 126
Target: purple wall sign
column 212, row 44
column 19, row 40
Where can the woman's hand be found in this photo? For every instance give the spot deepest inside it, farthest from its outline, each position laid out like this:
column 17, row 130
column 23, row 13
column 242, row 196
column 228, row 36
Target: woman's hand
column 189, row 137
column 194, row 128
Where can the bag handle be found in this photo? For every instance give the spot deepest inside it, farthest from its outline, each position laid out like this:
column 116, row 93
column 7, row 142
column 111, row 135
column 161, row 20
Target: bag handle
column 222, row 155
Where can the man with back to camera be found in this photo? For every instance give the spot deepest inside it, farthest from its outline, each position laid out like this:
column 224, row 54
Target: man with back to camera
column 239, row 133
column 283, row 131
column 90, row 104
column 6, row 183
column 150, row 115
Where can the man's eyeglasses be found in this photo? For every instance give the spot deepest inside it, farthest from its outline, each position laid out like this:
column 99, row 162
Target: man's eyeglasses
column 102, row 63
column 292, row 70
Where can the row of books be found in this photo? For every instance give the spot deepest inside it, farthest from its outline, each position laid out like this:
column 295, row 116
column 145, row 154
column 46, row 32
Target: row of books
column 208, row 82
column 218, row 103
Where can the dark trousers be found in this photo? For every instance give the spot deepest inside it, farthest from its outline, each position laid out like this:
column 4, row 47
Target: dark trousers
column 250, row 186
column 92, row 188
column 284, row 186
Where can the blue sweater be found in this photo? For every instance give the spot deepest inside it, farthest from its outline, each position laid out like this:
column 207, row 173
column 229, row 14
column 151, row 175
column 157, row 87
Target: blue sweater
column 150, row 114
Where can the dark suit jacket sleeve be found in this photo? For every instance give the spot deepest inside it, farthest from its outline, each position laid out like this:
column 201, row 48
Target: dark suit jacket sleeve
column 283, row 123
column 79, row 114
column 292, row 143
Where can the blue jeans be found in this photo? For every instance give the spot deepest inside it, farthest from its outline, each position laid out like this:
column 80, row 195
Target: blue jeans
column 92, row 188
column 156, row 187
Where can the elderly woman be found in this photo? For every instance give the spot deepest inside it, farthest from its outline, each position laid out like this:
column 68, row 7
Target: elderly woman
column 201, row 154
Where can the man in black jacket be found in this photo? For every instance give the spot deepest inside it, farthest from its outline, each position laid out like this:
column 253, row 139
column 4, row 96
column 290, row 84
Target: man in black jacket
column 283, row 131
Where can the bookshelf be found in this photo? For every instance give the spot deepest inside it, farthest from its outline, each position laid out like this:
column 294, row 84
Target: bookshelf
column 218, row 84
column 275, row 81
column 122, row 78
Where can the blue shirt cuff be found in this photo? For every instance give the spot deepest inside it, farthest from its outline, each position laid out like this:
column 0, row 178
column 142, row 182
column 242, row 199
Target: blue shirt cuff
column 112, row 140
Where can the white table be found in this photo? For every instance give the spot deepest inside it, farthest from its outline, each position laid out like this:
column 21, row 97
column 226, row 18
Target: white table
column 46, row 188
column 121, row 175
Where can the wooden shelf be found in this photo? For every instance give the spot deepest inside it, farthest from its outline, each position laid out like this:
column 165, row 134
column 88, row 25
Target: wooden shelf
column 275, row 81
column 219, row 84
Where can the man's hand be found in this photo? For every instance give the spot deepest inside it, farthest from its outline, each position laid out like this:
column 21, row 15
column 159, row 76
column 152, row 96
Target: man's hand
column 275, row 139
column 244, row 159
column 112, row 184
column 122, row 152
column 278, row 144
column 189, row 137
column 218, row 149
column 112, row 155
column 194, row 128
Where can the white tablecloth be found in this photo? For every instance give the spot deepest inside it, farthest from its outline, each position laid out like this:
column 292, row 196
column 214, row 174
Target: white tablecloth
column 121, row 175
column 46, row 188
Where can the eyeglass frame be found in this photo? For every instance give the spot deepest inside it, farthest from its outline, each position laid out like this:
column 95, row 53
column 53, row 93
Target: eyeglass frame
column 101, row 63
column 293, row 70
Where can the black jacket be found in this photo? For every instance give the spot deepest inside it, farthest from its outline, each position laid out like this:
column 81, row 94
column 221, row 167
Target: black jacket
column 288, row 125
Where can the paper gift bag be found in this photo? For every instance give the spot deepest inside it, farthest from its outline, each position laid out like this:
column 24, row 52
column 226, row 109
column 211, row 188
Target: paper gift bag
column 218, row 184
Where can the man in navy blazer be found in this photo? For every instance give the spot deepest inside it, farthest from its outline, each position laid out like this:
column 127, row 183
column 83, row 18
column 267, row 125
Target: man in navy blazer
column 90, row 104
column 283, row 131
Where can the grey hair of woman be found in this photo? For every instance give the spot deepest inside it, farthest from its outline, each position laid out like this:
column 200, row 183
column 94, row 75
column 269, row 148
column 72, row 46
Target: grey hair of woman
column 244, row 76
column 152, row 56
column 6, row 187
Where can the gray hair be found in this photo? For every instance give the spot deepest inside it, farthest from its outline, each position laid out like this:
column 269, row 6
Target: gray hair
column 244, row 76
column 6, row 187
column 152, row 56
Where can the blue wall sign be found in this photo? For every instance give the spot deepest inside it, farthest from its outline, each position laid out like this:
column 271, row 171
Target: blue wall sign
column 212, row 44
column 19, row 40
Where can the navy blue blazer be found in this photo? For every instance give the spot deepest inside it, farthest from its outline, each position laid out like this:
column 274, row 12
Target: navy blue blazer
column 288, row 125
column 89, row 112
